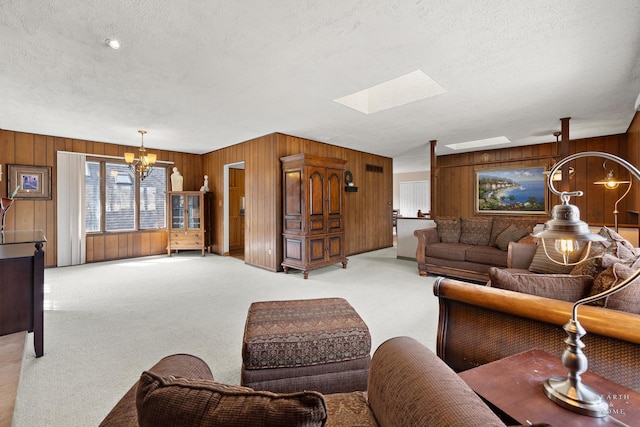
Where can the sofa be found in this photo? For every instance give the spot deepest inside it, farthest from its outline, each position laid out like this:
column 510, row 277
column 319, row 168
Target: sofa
column 480, row 324
column 408, row 385
column 465, row 247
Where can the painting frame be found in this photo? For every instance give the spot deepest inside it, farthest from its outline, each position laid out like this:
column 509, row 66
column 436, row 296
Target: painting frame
column 511, row 190
column 34, row 182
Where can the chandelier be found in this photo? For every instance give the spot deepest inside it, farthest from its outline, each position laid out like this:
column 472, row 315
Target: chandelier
column 143, row 164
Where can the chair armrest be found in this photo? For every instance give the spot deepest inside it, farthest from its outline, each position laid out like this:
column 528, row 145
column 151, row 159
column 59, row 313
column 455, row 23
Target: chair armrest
column 408, row 382
column 125, row 413
column 520, row 255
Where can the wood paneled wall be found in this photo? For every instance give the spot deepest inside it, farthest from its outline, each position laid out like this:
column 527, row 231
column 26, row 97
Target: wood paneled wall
column 456, row 178
column 368, row 212
column 633, row 155
column 41, row 150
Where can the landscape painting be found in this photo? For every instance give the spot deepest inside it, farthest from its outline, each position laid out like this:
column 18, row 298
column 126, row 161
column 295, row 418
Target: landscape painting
column 512, row 191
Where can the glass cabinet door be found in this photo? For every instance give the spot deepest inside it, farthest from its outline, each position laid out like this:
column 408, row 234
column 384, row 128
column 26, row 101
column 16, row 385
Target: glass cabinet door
column 193, row 211
column 177, row 211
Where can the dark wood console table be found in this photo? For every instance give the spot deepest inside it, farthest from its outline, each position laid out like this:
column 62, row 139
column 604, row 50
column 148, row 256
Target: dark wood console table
column 22, row 284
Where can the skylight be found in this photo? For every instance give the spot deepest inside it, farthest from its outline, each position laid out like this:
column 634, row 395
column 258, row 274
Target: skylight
column 403, row 90
column 479, row 143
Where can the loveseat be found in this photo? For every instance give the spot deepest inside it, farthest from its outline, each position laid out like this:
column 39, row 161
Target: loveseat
column 408, row 386
column 465, row 248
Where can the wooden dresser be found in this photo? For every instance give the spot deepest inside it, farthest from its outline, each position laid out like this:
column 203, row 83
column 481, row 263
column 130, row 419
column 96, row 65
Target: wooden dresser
column 313, row 212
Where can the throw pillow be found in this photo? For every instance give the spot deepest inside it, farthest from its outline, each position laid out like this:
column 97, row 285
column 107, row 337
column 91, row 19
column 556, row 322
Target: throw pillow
column 475, row 231
column 172, row 401
column 628, row 299
column 604, row 281
column 565, row 287
column 618, row 245
column 448, row 228
column 510, row 234
column 502, row 223
column 542, row 264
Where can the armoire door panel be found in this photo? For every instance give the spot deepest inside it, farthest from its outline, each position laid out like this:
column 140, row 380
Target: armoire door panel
column 316, row 249
column 334, row 224
column 293, row 201
column 316, row 224
column 316, row 191
column 292, row 224
column 334, row 192
column 334, row 247
column 293, row 249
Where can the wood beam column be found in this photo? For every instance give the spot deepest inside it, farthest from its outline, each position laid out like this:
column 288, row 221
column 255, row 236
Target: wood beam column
column 434, row 177
column 564, row 152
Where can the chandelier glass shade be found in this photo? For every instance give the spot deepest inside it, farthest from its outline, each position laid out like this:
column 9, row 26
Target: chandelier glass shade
column 143, row 164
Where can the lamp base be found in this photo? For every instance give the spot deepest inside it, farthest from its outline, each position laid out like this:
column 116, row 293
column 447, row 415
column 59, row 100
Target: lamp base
column 577, row 397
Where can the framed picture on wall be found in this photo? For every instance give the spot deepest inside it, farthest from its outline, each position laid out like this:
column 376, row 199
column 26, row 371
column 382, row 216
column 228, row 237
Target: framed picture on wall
column 31, row 182
column 519, row 190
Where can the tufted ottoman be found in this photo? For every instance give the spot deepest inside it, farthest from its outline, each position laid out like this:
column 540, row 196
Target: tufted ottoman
column 314, row 344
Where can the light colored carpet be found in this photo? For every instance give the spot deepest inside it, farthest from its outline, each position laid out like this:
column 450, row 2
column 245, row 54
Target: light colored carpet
column 107, row 322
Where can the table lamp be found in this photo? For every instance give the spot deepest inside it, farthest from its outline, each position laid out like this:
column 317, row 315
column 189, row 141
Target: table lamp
column 568, row 231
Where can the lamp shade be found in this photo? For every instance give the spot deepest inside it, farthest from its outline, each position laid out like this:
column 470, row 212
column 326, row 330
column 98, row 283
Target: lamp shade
column 128, row 157
column 565, row 224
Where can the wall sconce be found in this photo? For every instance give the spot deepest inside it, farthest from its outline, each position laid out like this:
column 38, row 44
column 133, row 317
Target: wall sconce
column 567, row 229
column 348, row 179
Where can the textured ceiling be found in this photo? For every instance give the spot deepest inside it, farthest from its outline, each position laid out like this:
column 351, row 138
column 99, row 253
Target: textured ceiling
column 201, row 75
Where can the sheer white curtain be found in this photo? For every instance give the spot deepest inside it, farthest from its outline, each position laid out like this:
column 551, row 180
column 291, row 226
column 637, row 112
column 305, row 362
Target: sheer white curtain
column 71, row 225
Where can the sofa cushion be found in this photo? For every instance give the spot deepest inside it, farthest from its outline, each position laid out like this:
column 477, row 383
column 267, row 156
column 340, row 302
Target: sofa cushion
column 510, row 234
column 173, row 401
column 349, row 409
column 448, row 228
column 475, row 231
column 449, row 251
column 486, row 255
column 628, row 299
column 565, row 287
column 542, row 264
column 502, row 223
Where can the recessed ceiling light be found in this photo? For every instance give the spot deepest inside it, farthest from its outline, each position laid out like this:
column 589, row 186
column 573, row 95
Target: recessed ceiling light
column 403, row 90
column 479, row 143
column 112, row 43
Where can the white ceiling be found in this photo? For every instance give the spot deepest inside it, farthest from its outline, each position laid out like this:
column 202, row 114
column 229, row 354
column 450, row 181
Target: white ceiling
column 201, row 75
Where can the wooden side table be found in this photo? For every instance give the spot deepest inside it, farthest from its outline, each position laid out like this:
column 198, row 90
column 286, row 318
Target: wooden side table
column 514, row 385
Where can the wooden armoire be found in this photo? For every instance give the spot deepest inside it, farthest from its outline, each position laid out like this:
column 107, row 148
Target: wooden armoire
column 313, row 209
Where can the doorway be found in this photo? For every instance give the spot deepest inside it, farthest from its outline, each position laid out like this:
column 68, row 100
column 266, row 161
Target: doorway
column 234, row 207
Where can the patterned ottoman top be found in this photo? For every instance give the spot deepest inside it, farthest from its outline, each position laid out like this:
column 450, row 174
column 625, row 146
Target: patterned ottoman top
column 282, row 334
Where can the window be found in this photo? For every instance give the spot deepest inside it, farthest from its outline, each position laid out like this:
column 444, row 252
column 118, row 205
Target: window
column 116, row 200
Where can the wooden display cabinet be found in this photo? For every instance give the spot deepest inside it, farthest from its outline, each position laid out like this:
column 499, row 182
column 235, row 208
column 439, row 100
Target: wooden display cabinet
column 189, row 222
column 313, row 205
